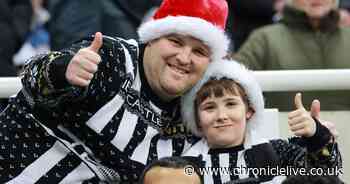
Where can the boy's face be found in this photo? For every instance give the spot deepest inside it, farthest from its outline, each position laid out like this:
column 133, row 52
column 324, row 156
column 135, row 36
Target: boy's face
column 164, row 175
column 174, row 63
column 222, row 120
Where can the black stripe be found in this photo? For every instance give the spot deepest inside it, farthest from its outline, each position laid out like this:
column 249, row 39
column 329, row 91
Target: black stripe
column 111, row 129
column 215, row 163
column 137, row 137
column 60, row 170
column 153, row 155
column 233, row 164
column 178, row 146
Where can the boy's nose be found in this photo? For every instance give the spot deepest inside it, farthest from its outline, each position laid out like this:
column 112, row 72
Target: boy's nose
column 222, row 115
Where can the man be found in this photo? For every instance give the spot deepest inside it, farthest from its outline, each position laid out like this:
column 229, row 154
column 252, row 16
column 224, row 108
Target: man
column 103, row 109
column 172, row 170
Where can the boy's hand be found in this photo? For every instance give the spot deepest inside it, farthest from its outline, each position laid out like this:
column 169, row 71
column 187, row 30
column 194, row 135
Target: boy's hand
column 82, row 67
column 300, row 121
column 315, row 112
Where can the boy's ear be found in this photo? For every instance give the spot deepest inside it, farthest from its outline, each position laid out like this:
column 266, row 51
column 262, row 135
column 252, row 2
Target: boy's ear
column 249, row 113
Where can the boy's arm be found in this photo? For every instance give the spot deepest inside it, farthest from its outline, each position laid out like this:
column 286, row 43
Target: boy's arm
column 315, row 146
column 316, row 151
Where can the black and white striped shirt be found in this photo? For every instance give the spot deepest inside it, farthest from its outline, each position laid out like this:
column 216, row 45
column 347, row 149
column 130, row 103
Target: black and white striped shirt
column 116, row 120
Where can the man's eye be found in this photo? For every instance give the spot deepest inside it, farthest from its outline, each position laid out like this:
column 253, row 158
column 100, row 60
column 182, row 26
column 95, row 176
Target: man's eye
column 175, row 41
column 201, row 53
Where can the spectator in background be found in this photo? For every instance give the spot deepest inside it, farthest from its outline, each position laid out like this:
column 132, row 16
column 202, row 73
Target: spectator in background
column 308, row 37
column 248, row 15
column 344, row 10
column 15, row 19
column 171, row 170
column 37, row 41
column 74, row 20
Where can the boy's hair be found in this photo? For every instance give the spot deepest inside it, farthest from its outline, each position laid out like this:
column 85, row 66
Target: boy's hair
column 174, row 163
column 218, row 88
column 312, row 180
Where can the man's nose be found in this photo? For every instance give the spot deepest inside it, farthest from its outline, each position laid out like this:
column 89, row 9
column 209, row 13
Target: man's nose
column 184, row 55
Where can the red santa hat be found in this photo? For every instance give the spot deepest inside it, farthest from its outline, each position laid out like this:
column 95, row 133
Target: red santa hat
column 201, row 19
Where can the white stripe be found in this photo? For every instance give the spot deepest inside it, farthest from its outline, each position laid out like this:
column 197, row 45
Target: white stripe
column 125, row 130
column 78, row 175
column 137, row 82
column 101, row 118
column 241, row 164
column 187, row 146
column 208, row 179
column 155, row 108
column 42, row 165
column 224, row 160
column 164, row 148
column 142, row 150
column 201, row 147
column 128, row 62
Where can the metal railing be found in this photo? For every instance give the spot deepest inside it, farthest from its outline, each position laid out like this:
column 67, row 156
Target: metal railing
column 282, row 80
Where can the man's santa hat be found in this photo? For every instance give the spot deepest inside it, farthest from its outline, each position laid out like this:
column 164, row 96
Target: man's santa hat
column 240, row 74
column 201, row 19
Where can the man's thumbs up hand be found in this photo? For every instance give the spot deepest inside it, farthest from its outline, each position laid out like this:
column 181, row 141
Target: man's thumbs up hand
column 82, row 67
column 96, row 44
column 300, row 121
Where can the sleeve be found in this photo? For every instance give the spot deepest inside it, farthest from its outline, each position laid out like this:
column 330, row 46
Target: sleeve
column 253, row 53
column 314, row 152
column 45, row 85
column 44, row 82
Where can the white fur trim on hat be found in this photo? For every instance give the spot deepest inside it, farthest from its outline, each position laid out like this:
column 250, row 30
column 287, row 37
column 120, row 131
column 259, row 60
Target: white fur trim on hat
column 232, row 70
column 212, row 36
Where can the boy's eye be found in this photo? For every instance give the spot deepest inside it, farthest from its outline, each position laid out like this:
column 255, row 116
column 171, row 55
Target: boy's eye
column 231, row 104
column 207, row 107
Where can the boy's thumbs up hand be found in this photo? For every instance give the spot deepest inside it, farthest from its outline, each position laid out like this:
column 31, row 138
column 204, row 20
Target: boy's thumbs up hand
column 300, row 121
column 315, row 110
column 83, row 65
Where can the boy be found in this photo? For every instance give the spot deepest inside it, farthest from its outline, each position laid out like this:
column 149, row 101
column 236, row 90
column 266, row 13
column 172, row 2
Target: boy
column 226, row 107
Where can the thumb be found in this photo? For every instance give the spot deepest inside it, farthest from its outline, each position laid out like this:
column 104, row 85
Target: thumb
column 298, row 101
column 96, row 44
column 316, row 109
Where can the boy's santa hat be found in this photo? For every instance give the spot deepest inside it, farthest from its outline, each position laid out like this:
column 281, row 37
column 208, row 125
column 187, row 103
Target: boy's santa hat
column 201, row 19
column 231, row 70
